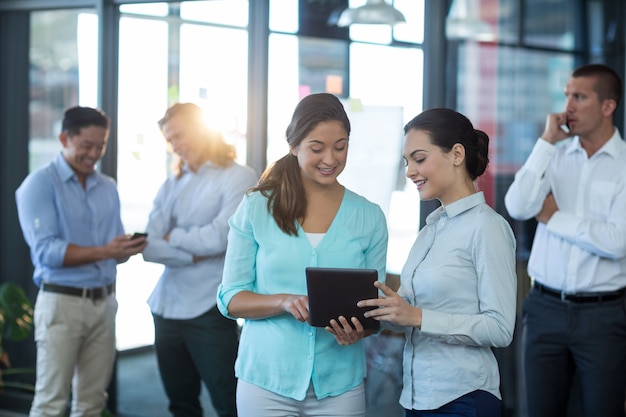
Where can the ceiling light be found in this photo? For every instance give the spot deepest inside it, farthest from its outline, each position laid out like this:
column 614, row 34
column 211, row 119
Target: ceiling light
column 374, row 12
column 464, row 22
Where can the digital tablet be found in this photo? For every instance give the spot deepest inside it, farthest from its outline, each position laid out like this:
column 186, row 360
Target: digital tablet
column 334, row 292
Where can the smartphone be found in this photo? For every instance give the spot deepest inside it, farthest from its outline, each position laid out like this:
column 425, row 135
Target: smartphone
column 137, row 235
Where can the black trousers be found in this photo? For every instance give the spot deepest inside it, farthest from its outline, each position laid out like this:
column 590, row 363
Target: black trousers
column 561, row 339
column 202, row 349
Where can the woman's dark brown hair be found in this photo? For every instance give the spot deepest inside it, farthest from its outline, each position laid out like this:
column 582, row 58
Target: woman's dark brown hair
column 281, row 183
column 446, row 127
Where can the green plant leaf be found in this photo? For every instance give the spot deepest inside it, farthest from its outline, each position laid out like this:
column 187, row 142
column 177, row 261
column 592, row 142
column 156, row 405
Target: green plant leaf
column 16, row 313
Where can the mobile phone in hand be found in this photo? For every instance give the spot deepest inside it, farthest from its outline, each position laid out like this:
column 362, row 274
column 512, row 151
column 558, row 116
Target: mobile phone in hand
column 137, row 235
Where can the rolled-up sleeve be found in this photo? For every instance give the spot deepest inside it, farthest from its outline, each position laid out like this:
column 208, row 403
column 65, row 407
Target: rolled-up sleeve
column 40, row 225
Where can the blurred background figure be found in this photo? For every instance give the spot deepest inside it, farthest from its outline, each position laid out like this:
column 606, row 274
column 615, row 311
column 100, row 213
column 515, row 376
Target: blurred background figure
column 187, row 233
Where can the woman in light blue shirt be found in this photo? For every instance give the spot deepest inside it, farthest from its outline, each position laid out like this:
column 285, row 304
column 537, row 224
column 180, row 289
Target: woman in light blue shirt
column 299, row 215
column 457, row 296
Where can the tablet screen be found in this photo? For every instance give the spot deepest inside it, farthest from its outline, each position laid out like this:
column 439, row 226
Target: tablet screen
column 334, row 292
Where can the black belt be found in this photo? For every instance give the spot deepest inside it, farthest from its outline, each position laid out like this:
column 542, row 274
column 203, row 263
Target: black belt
column 584, row 297
column 91, row 293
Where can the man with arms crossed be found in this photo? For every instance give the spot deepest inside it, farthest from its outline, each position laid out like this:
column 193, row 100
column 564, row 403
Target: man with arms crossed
column 70, row 218
column 573, row 318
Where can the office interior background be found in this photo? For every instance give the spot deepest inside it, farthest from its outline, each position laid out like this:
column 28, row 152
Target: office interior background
column 247, row 63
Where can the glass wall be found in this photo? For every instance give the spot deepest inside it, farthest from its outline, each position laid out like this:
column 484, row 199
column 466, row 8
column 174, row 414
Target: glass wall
column 63, row 72
column 507, row 88
column 192, row 52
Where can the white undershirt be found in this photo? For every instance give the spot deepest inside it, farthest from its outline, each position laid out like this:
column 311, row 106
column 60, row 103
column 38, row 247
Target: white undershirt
column 315, row 238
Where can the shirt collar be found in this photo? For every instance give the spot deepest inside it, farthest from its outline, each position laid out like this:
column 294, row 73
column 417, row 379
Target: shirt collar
column 207, row 165
column 613, row 147
column 458, row 207
column 65, row 170
column 67, row 173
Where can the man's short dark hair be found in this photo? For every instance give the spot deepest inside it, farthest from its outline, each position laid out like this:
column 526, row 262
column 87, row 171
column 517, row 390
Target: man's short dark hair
column 76, row 118
column 608, row 85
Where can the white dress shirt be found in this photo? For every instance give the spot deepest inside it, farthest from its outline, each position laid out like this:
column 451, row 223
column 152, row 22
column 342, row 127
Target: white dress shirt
column 583, row 246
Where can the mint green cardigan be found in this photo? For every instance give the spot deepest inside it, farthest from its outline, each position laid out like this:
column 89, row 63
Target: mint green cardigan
column 280, row 353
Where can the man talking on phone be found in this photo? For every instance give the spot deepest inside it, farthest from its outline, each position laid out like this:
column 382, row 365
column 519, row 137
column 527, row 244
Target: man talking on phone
column 574, row 184
column 70, row 218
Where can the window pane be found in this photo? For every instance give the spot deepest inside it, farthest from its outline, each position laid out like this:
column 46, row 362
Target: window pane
column 371, row 33
column 384, row 77
column 323, row 66
column 284, row 16
column 508, row 21
column 216, row 79
column 150, row 9
column 507, row 92
column 511, row 90
column 63, row 73
column 169, row 69
column 390, row 76
column 283, row 92
column 530, row 85
column 225, row 12
column 141, row 150
column 551, row 23
column 413, row 29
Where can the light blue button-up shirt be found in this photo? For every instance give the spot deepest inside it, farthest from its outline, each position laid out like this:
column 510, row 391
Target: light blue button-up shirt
column 194, row 210
column 280, row 353
column 461, row 272
column 55, row 210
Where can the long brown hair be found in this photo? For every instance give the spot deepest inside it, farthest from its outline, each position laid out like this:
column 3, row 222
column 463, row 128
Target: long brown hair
column 220, row 152
column 281, row 183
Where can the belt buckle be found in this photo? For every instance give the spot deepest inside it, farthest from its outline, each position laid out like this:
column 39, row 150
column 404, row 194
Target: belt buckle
column 102, row 291
column 90, row 293
column 564, row 297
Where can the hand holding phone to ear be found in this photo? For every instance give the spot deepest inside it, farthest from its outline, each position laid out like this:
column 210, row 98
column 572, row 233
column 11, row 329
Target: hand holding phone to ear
column 557, row 128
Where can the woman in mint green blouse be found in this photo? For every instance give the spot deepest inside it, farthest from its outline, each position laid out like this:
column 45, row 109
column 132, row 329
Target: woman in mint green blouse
column 297, row 216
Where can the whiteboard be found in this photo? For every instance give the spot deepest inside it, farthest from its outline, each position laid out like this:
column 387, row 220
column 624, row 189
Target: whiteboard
column 374, row 152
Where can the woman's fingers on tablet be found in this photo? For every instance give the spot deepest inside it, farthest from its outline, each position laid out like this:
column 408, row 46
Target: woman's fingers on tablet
column 346, row 333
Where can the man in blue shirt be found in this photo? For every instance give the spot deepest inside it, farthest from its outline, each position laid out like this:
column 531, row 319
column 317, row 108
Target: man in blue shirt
column 70, row 218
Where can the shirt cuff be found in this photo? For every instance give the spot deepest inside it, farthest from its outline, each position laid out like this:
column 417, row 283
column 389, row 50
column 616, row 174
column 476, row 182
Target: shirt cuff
column 434, row 322
column 175, row 237
column 564, row 225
